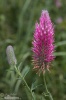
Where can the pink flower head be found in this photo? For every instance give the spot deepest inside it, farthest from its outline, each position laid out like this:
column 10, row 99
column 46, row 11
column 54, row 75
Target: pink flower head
column 43, row 47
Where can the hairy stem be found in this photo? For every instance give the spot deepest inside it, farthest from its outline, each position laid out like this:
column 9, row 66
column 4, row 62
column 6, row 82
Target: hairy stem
column 18, row 72
column 49, row 94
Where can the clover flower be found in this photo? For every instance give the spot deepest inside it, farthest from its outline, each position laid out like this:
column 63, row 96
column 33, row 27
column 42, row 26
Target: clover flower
column 43, row 43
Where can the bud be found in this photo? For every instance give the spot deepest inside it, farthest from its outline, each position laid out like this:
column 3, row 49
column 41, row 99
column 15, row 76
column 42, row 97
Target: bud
column 10, row 55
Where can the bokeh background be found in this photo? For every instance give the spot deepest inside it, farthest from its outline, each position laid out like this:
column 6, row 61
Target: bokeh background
column 17, row 23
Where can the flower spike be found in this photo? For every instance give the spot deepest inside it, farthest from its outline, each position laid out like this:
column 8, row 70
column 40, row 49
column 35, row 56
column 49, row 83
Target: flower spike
column 43, row 43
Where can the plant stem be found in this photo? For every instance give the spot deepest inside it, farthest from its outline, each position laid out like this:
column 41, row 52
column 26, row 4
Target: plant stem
column 18, row 72
column 50, row 96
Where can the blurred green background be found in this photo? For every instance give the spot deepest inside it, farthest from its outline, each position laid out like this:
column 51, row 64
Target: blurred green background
column 17, row 21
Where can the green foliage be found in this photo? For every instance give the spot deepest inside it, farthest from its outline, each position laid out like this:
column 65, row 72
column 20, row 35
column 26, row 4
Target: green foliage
column 17, row 20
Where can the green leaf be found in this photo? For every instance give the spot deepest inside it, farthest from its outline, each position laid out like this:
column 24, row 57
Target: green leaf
column 34, row 85
column 25, row 71
column 60, row 53
column 19, row 66
column 60, row 43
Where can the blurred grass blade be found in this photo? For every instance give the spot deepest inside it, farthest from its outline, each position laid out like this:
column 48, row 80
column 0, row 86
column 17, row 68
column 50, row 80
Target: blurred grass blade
column 60, row 53
column 60, row 43
column 31, row 21
column 20, row 20
column 7, row 41
column 26, row 5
